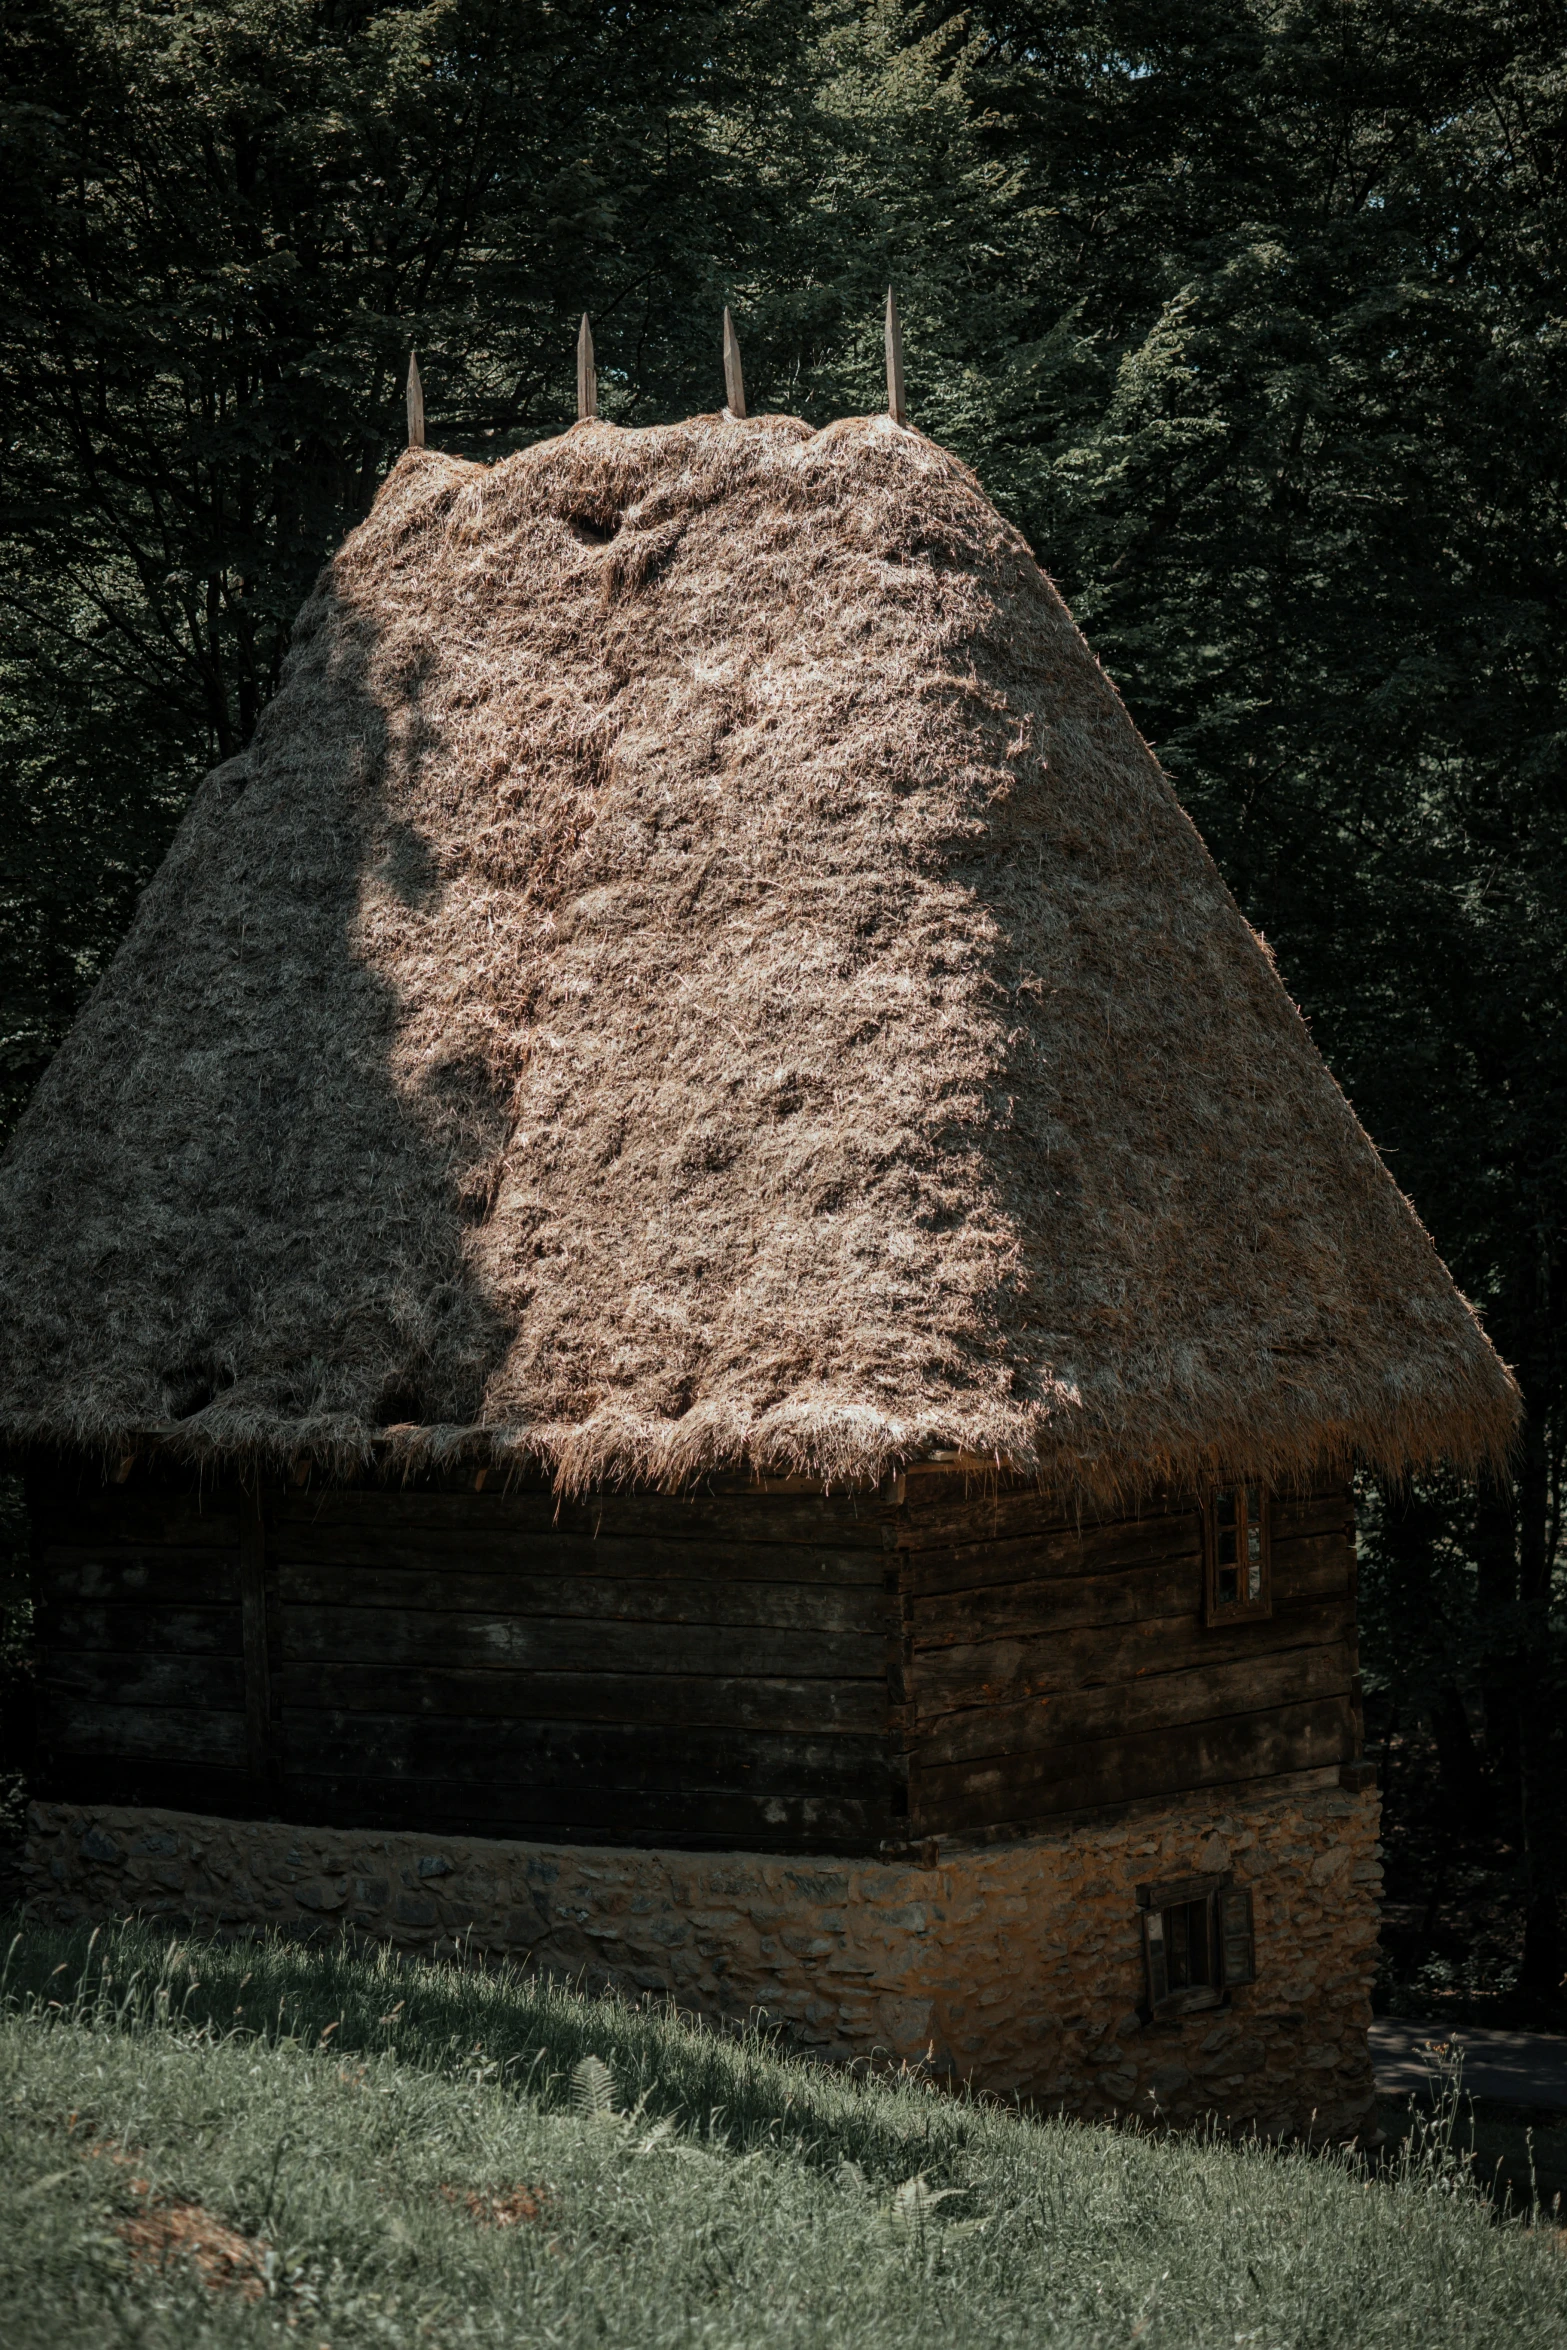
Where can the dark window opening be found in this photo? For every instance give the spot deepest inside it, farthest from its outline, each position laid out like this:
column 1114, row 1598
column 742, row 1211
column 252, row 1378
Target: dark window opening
column 1237, row 1554
column 1188, row 1945
column 1197, row 1943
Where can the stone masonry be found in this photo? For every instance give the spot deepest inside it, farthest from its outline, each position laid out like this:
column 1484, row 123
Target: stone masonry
column 1017, row 1967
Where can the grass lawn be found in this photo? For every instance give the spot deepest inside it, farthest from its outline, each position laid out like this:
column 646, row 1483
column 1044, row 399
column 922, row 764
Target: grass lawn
column 250, row 2143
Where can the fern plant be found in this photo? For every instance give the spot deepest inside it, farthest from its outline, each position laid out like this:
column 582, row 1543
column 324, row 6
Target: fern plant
column 592, row 2088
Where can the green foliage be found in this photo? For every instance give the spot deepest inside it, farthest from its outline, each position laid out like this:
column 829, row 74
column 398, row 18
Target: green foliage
column 361, row 2123
column 221, row 228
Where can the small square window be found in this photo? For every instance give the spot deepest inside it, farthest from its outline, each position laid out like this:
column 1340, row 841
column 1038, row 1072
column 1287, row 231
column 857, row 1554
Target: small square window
column 1197, row 1942
column 1237, row 1554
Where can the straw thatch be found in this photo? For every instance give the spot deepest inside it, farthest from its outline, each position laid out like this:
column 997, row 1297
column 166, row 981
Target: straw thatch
column 697, row 969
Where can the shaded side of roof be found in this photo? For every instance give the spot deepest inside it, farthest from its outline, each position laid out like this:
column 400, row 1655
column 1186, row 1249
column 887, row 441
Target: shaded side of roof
column 698, row 969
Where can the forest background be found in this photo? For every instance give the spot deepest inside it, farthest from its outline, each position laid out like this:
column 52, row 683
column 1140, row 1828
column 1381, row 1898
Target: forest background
column 1251, row 313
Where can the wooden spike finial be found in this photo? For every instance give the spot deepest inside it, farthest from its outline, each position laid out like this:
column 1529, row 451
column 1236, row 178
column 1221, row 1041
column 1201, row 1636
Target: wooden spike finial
column 734, row 380
column 415, row 404
column 895, row 406
column 587, row 373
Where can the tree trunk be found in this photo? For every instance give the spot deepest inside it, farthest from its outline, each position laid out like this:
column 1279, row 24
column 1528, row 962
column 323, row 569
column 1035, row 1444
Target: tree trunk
column 1539, row 1739
column 1462, row 1785
column 1496, row 1559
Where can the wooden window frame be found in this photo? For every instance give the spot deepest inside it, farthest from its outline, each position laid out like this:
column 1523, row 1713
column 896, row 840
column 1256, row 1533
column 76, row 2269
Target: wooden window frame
column 1248, row 1497
column 1231, row 1941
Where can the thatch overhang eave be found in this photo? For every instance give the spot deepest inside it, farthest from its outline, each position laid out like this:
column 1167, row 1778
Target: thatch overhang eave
column 823, row 1446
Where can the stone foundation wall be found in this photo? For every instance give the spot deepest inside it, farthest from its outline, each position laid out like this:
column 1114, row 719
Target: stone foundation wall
column 1015, row 1966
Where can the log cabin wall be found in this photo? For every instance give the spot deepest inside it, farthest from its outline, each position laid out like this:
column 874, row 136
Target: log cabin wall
column 738, row 1669
column 1052, row 1667
column 633, row 1669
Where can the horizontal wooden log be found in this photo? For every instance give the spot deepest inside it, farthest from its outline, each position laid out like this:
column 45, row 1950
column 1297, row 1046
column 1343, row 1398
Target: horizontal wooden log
column 173, row 1786
column 180, row 1734
column 1066, row 1551
column 394, row 1636
column 958, row 1512
column 443, row 1551
column 1315, row 1568
column 1312, row 1565
column 1058, row 1604
column 113, row 1518
column 149, row 1578
column 1022, row 1790
column 954, row 1520
column 598, row 1757
column 407, row 1580
column 954, row 1677
column 1162, row 1701
column 666, row 1698
column 836, row 1521
column 1330, row 1511
column 711, row 1821
column 200, row 1682
column 126, row 1630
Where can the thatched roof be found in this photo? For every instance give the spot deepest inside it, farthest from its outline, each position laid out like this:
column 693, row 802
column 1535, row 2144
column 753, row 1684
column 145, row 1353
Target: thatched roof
column 699, row 969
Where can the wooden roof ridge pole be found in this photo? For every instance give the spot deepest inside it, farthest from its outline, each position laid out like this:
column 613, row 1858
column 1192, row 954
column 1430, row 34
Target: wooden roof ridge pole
column 895, row 402
column 587, row 373
column 415, row 403
column 734, row 379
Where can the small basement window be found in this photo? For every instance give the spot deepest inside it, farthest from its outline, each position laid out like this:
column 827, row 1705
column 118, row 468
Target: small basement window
column 1197, row 1942
column 1237, row 1554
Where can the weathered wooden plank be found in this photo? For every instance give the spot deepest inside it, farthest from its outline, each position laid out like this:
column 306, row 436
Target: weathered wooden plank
column 254, row 1632
column 1330, row 1511
column 1065, row 1551
column 574, row 1644
column 710, row 1820
column 665, row 1698
column 1312, row 1568
column 1021, row 1790
column 955, row 1510
column 176, row 1786
column 943, row 1513
column 437, row 1550
column 152, row 1578
column 174, row 1631
column 712, row 1600
column 835, row 1521
column 1251, row 1685
column 112, row 1516
column 1314, row 1565
column 1057, row 1604
column 1011, row 1672
column 136, row 1678
column 1094, row 1545
column 181, row 1734
column 669, row 1754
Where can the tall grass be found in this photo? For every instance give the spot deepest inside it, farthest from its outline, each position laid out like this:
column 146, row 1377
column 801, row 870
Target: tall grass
column 366, row 2124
